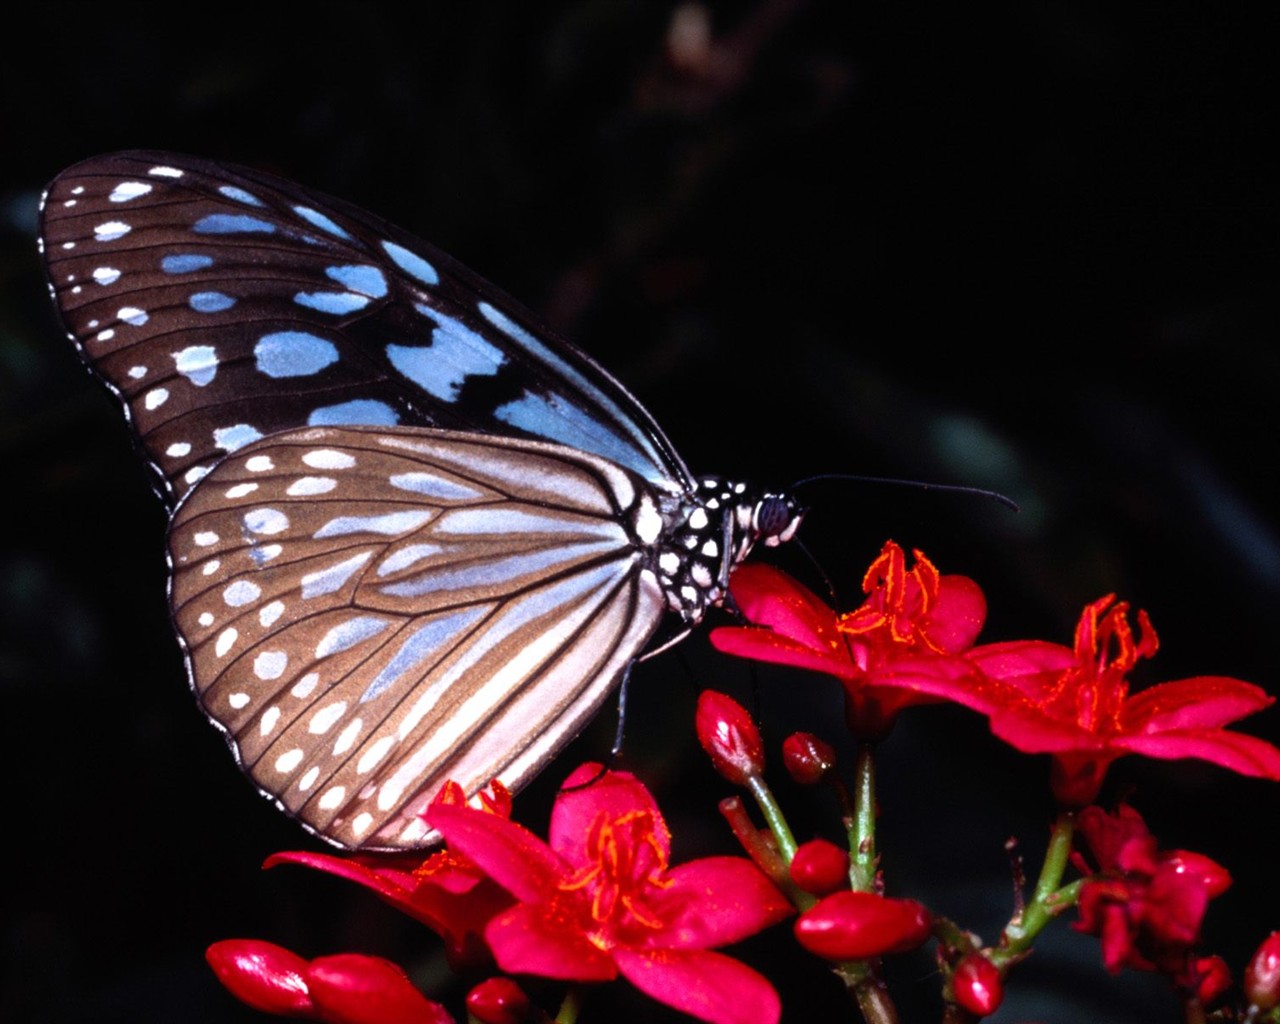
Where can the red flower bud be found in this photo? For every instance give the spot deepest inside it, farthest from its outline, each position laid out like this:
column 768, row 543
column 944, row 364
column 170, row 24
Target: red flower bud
column 729, row 737
column 820, row 867
column 1211, row 876
column 265, row 976
column 1209, row 979
column 977, row 985
column 808, row 759
column 861, row 925
column 1262, row 976
column 498, row 1001
column 351, row 988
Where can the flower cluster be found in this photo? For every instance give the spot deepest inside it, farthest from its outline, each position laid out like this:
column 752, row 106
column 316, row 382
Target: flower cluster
column 599, row 899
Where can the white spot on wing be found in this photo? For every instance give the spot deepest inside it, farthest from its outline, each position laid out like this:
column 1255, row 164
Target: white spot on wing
column 155, row 398
column 306, row 486
column 288, row 761
column 332, row 798
column 326, row 718
column 327, row 458
column 270, row 664
column 267, row 521
column 269, row 719
column 305, row 686
column 270, row 613
column 225, row 639
column 127, row 190
column 110, row 231
column 238, row 700
column 241, row 592
column 259, row 464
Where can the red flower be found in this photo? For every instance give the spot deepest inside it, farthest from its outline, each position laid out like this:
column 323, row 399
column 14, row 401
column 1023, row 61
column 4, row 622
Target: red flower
column 601, row 899
column 899, row 648
column 1145, row 904
column 345, row 989
column 862, row 925
column 1075, row 704
column 446, row 892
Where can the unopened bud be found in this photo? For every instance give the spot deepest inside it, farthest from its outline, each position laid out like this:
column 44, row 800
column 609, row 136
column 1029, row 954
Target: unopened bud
column 807, row 759
column 498, row 1001
column 1262, row 976
column 977, row 986
column 729, row 737
column 820, row 867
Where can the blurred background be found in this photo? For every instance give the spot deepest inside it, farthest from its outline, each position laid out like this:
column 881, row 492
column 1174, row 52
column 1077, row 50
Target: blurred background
column 1031, row 247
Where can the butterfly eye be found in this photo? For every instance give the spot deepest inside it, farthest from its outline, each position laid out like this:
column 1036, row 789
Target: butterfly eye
column 415, row 537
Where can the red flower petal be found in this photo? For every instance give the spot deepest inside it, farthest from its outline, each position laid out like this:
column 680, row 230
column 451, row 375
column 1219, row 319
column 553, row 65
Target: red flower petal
column 451, row 899
column 267, row 977
column 820, row 867
column 709, row 986
column 957, row 618
column 512, row 856
column 354, row 989
column 613, row 794
column 1236, row 751
column 716, row 901
column 532, row 939
column 1205, row 702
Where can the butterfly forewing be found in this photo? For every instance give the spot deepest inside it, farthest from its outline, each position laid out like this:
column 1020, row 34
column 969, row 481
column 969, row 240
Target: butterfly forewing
column 367, row 613
column 223, row 305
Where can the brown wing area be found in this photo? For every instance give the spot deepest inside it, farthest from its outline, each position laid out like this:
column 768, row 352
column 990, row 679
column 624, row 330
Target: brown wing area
column 367, row 614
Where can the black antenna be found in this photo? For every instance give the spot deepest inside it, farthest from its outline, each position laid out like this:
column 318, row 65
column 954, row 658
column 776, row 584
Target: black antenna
column 980, row 492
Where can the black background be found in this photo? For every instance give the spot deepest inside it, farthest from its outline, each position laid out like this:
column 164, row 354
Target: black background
column 1029, row 247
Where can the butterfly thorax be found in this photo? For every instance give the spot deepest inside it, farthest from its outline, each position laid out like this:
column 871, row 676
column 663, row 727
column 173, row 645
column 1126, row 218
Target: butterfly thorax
column 711, row 530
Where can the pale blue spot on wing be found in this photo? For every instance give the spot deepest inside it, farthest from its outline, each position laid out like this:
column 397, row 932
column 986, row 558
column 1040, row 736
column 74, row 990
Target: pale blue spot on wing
column 633, row 448
column 318, row 219
column 432, row 486
column 198, row 363
column 404, row 557
column 555, row 419
column 439, row 635
column 185, row 263
column 388, row 524
column 240, row 195
column 348, row 634
column 269, row 521
column 293, row 354
column 360, row 412
column 336, row 303
column 507, row 522
column 360, row 277
column 231, row 223
column 411, row 263
column 231, row 438
column 334, row 578
column 456, row 352
column 499, row 571
column 210, row 302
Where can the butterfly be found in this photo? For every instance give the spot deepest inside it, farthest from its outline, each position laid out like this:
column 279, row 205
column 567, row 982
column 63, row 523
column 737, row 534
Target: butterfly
column 414, row 536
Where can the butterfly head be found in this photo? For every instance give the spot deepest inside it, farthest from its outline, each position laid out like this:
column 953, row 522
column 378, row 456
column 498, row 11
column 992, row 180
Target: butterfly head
column 775, row 519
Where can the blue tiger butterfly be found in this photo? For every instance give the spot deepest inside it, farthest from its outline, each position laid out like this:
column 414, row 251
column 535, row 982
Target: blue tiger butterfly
column 414, row 536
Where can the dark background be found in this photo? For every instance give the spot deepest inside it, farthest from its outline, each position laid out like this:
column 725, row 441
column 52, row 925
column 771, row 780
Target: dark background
column 1030, row 247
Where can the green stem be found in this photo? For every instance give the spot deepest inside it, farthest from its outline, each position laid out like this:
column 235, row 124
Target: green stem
column 774, row 817
column 862, row 833
column 1050, row 897
column 572, row 1005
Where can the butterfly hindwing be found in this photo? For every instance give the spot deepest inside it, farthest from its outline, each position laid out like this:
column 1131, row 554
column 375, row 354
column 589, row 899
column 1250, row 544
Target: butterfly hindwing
column 223, row 305
column 367, row 613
